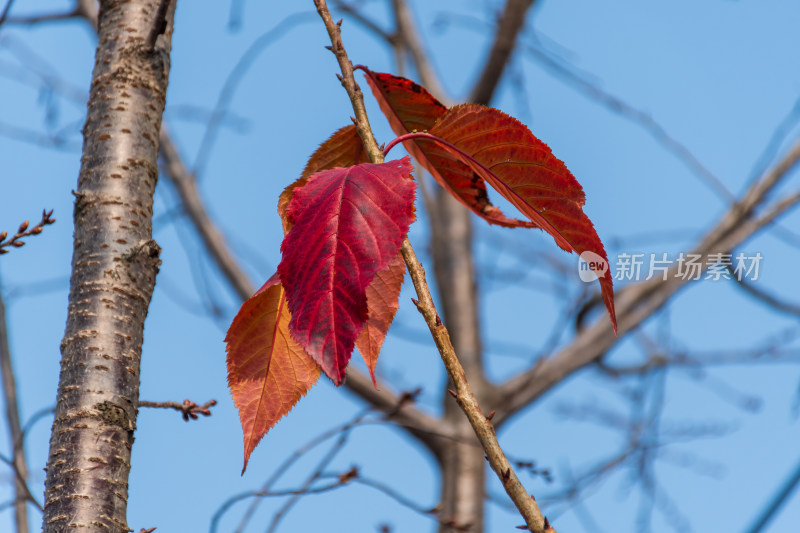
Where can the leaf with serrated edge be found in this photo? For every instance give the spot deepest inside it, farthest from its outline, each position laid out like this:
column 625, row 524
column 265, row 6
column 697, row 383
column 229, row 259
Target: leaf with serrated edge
column 268, row 371
column 522, row 168
column 347, row 224
column 410, row 107
column 382, row 303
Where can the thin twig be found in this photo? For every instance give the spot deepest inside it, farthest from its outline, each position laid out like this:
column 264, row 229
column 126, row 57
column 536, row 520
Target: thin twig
column 637, row 302
column 358, row 420
column 482, row 426
column 313, row 477
column 188, row 409
column 777, row 501
column 4, row 14
column 41, row 19
column 232, row 82
column 368, row 23
column 759, row 294
column 15, row 241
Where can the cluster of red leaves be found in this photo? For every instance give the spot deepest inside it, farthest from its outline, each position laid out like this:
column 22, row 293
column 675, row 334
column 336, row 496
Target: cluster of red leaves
column 344, row 220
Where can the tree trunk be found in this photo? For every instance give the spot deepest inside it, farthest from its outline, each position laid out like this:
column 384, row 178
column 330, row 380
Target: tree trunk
column 463, row 465
column 114, row 267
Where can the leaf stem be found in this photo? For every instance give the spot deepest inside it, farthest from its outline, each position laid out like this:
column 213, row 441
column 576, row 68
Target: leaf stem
column 483, row 428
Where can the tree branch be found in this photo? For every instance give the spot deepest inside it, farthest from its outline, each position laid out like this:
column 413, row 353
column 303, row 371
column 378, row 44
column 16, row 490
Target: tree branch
column 409, row 37
column 508, row 28
column 637, row 302
column 16, row 240
column 763, row 296
column 188, row 409
column 4, row 14
column 525, row 503
column 18, row 462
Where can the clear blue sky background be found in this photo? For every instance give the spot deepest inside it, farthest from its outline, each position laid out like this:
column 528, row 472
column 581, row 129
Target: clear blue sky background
column 717, row 75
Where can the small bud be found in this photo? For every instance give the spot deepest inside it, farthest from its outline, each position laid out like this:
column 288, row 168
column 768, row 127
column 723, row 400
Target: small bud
column 453, row 393
column 507, row 474
column 329, row 47
column 23, row 227
column 18, row 244
column 339, row 77
column 36, row 231
column 415, row 302
column 3, row 251
column 490, row 415
column 3, row 236
column 339, row 23
column 438, row 320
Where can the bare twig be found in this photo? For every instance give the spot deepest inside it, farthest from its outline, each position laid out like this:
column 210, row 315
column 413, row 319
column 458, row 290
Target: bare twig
column 406, row 502
column 645, row 120
column 189, row 410
column 777, row 501
column 4, row 14
column 314, row 476
column 45, row 18
column 358, row 420
column 637, row 302
column 762, row 295
column 18, row 462
column 15, row 241
column 371, row 25
column 232, row 81
column 483, row 428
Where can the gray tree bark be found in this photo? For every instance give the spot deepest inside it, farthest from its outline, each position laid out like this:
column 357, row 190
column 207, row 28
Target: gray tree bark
column 463, row 465
column 114, row 266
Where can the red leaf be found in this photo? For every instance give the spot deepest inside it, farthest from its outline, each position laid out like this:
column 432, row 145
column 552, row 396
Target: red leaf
column 504, row 152
column 347, row 224
column 268, row 371
column 409, row 107
column 382, row 304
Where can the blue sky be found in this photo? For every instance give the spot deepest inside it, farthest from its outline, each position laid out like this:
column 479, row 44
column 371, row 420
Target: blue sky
column 718, row 76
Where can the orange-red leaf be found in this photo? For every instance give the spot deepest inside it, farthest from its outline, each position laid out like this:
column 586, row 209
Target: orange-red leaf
column 409, row 107
column 347, row 224
column 268, row 371
column 504, row 152
column 342, row 149
column 382, row 304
